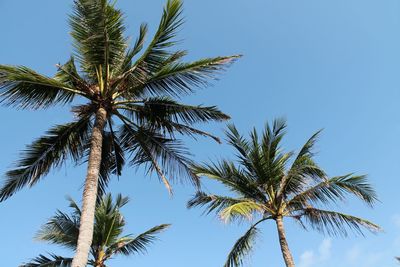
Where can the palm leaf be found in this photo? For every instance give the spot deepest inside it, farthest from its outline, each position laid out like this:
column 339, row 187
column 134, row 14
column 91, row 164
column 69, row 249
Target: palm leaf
column 179, row 78
column 128, row 246
column 212, row 202
column 147, row 146
column 156, row 53
column 68, row 74
column 156, row 110
column 235, row 179
column 335, row 189
column 109, row 222
column 241, row 248
column 22, row 87
column 303, row 169
column 98, row 34
column 46, row 153
column 335, row 223
column 52, row 261
column 241, row 210
column 61, row 229
column 126, row 64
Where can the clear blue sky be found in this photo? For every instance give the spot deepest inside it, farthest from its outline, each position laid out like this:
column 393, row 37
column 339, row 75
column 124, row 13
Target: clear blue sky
column 321, row 64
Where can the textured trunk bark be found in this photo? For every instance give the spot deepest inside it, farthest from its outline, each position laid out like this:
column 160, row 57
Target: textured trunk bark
column 287, row 256
column 90, row 192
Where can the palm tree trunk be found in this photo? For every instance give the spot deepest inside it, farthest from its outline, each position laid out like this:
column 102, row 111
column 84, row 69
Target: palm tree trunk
column 90, row 192
column 287, row 256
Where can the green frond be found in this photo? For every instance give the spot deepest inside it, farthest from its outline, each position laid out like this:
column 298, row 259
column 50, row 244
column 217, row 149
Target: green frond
column 307, row 149
column 335, row 189
column 241, row 248
column 75, row 207
column 109, row 222
column 335, row 223
column 303, row 169
column 157, row 51
column 299, row 177
column 47, row 152
column 272, row 137
column 61, row 229
column 50, row 261
column 128, row 246
column 147, row 146
column 68, row 74
column 242, row 146
column 176, row 79
column 156, row 110
column 212, row 202
column 24, row 88
column 241, row 210
column 233, row 178
column 127, row 63
column 98, row 34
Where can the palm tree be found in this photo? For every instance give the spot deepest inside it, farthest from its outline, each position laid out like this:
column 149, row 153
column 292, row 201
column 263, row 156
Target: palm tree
column 270, row 185
column 125, row 105
column 63, row 229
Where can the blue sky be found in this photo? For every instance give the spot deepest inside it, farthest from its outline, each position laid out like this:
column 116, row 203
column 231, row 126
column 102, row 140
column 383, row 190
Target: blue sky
column 321, row 64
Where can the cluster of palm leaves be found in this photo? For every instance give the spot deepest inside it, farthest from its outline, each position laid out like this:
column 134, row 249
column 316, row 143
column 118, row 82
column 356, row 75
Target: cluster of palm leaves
column 63, row 230
column 126, row 105
column 270, row 184
column 126, row 101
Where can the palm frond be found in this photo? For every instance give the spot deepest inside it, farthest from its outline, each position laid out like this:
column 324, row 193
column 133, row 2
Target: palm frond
column 146, row 146
column 242, row 146
column 335, row 188
column 45, row 153
column 109, row 222
column 242, row 210
column 157, row 110
column 24, row 88
column 50, row 261
column 68, row 74
column 235, row 179
column 180, row 78
column 212, row 202
column 241, row 248
column 335, row 223
column 98, row 34
column 303, row 170
column 157, row 51
column 139, row 244
column 61, row 229
column 127, row 63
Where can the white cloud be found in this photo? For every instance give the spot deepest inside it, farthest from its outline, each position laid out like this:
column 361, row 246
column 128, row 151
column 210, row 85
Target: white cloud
column 311, row 258
column 325, row 249
column 307, row 258
column 353, row 255
column 396, row 220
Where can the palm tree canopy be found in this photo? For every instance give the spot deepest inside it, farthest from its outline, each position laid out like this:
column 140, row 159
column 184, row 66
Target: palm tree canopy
column 139, row 87
column 269, row 183
column 108, row 239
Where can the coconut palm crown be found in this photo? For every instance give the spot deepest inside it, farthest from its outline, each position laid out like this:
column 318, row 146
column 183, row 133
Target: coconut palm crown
column 271, row 184
column 125, row 101
column 63, row 230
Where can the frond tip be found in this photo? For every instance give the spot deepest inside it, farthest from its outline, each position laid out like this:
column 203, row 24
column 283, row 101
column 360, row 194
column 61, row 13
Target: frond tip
column 241, row 248
column 51, row 261
column 335, row 223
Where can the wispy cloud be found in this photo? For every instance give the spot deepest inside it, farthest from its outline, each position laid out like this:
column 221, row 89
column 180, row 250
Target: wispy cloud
column 310, row 258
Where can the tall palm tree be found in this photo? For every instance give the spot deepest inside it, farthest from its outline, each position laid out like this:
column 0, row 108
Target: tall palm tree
column 63, row 229
column 272, row 185
column 125, row 105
